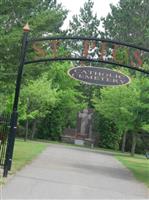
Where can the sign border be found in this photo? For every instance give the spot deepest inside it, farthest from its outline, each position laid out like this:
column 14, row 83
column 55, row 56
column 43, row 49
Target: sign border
column 68, row 72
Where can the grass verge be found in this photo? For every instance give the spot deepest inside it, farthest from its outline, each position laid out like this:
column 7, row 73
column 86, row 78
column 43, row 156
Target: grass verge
column 138, row 164
column 24, row 153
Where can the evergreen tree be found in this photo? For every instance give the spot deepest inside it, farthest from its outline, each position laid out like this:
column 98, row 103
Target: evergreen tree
column 44, row 17
column 86, row 23
column 128, row 21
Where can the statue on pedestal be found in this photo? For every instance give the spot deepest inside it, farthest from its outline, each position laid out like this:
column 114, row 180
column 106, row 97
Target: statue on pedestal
column 84, row 126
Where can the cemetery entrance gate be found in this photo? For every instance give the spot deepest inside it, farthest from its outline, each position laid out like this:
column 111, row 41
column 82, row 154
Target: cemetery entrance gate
column 78, row 49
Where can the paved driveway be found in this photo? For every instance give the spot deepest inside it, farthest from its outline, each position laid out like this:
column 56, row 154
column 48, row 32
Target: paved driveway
column 67, row 172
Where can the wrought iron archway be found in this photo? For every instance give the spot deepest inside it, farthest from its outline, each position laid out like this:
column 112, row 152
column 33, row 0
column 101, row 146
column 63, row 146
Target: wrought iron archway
column 105, row 51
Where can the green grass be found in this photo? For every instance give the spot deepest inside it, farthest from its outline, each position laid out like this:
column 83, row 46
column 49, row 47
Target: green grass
column 139, row 166
column 24, row 153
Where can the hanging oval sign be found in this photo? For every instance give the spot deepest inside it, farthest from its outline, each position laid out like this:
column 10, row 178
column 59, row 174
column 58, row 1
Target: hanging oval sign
column 98, row 76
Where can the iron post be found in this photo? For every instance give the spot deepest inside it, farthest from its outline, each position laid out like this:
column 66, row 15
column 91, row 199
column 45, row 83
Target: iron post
column 14, row 115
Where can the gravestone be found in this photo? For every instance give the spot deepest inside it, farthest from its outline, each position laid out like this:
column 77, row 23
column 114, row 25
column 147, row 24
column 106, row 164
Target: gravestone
column 82, row 135
column 84, row 123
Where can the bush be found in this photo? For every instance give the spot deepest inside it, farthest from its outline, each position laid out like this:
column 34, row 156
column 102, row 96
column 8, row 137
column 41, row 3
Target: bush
column 109, row 137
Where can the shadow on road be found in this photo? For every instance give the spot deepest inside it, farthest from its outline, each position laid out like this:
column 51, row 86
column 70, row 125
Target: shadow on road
column 105, row 171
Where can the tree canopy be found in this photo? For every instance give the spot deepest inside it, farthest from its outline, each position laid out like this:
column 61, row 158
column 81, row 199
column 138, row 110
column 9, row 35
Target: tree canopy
column 128, row 22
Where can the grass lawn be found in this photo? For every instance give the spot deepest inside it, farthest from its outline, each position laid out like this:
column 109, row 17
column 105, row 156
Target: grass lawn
column 138, row 164
column 24, row 152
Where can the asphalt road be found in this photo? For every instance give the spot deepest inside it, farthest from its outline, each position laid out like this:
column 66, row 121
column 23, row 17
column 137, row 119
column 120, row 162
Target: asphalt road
column 68, row 173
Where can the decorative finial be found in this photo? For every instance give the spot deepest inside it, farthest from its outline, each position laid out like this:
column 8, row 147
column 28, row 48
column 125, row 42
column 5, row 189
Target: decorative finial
column 26, row 28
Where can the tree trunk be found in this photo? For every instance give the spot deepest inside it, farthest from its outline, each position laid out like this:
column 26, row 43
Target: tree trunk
column 123, row 142
column 27, row 121
column 26, row 130
column 134, row 142
column 34, row 129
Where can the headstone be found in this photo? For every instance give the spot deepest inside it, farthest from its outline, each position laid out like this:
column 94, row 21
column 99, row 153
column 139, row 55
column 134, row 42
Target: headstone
column 84, row 125
column 82, row 134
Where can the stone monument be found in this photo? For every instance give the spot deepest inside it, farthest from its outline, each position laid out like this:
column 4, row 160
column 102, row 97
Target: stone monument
column 84, row 124
column 82, row 134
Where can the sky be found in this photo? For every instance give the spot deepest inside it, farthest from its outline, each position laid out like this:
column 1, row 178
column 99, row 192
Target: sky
column 101, row 7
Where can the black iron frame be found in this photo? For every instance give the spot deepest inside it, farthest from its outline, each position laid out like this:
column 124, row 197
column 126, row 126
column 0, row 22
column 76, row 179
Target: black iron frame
column 25, row 42
column 4, row 129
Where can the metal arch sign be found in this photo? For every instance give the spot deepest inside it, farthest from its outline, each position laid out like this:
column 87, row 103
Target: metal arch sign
column 84, row 49
column 98, row 76
column 92, row 49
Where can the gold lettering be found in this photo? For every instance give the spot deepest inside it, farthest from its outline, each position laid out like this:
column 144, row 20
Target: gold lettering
column 38, row 49
column 137, row 56
column 102, row 50
column 93, row 44
column 54, row 47
column 114, row 52
column 85, row 48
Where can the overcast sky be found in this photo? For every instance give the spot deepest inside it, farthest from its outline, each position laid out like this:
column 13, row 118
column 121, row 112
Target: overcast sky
column 101, row 7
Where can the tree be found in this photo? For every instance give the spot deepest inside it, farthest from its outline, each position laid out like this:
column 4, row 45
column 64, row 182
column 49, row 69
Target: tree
column 68, row 103
column 125, row 107
column 45, row 17
column 50, row 103
column 113, row 106
column 63, row 114
column 37, row 99
column 128, row 22
column 105, row 131
column 86, row 23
